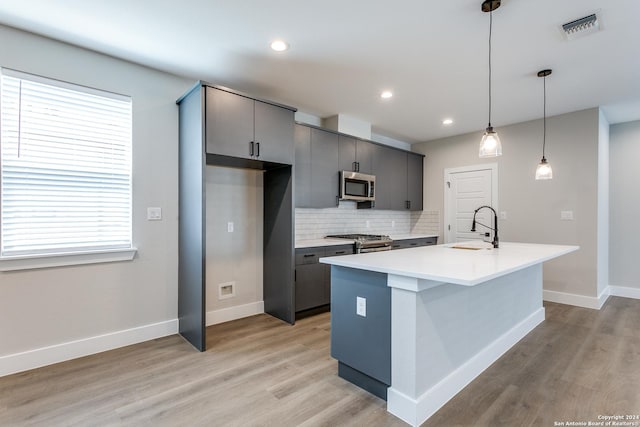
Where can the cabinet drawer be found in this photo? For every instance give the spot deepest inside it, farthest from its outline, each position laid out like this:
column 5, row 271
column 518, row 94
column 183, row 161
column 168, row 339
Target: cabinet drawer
column 414, row 243
column 308, row 255
column 338, row 250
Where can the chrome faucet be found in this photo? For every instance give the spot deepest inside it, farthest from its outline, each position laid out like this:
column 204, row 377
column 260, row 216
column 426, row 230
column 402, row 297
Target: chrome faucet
column 495, row 224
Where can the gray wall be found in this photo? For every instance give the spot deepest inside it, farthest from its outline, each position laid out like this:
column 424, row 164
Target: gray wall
column 624, row 268
column 52, row 306
column 234, row 195
column 533, row 207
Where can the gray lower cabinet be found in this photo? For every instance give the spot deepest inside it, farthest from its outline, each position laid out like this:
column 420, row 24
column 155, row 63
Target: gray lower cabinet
column 242, row 127
column 312, row 279
column 414, row 243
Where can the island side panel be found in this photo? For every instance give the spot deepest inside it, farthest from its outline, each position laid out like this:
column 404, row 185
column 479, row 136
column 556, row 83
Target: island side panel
column 456, row 332
column 362, row 344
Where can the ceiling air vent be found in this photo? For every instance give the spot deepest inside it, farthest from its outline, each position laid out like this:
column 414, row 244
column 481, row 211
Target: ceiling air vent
column 581, row 27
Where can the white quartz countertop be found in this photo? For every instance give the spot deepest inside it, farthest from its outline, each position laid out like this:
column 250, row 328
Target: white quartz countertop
column 443, row 263
column 411, row 236
column 313, row 243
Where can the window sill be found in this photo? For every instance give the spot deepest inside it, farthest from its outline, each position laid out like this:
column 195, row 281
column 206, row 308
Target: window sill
column 65, row 259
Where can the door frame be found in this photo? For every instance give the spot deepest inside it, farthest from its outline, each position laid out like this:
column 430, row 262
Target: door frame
column 493, row 167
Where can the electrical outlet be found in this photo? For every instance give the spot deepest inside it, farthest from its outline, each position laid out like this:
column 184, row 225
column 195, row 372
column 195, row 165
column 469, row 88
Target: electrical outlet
column 361, row 306
column 230, row 227
column 393, row 224
column 367, row 223
column 154, row 214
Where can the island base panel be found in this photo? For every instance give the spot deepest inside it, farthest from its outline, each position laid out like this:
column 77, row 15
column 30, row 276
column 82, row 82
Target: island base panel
column 364, row 381
column 361, row 341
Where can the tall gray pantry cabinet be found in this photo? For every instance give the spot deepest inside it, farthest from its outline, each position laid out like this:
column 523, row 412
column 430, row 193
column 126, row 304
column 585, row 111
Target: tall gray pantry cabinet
column 222, row 127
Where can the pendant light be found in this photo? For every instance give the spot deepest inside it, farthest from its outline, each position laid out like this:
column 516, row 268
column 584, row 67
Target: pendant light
column 544, row 171
column 490, row 145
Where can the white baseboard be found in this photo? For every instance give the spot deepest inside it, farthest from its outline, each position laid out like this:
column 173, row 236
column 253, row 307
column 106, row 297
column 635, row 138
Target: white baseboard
column 31, row 359
column 621, row 291
column 416, row 411
column 232, row 313
column 595, row 303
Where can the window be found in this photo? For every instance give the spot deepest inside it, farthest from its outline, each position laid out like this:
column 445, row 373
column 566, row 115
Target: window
column 65, row 168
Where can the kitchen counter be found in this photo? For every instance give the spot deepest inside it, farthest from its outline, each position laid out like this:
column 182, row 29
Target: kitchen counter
column 313, row 243
column 416, row 326
column 443, row 263
column 411, row 236
column 317, row 243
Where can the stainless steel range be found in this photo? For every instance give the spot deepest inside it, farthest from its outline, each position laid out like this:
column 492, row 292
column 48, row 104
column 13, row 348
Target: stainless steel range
column 366, row 242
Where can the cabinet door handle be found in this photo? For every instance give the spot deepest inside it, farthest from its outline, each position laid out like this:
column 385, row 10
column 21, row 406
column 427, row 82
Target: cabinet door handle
column 251, row 148
column 337, row 200
column 340, row 252
column 408, row 204
column 309, row 255
column 257, row 149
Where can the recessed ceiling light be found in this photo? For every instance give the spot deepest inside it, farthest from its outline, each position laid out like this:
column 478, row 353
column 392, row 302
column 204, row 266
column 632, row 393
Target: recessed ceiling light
column 386, row 94
column 447, row 122
column 279, row 45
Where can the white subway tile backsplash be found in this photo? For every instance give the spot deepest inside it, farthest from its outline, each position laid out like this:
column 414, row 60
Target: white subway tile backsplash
column 346, row 218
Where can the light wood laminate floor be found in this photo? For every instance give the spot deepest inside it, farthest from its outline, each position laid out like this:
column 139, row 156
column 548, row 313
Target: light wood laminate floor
column 258, row 371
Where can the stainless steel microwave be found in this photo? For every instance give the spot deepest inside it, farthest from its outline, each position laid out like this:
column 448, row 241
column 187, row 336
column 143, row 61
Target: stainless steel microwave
column 357, row 186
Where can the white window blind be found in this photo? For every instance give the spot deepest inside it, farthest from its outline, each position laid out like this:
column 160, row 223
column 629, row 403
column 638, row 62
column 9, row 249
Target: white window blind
column 65, row 163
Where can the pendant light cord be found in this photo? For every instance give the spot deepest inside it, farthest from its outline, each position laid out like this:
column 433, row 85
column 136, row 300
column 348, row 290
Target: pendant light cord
column 544, row 116
column 490, row 31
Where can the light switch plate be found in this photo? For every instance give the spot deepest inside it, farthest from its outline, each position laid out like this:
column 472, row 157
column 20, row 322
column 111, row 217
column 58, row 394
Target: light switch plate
column 361, row 306
column 154, row 214
column 566, row 215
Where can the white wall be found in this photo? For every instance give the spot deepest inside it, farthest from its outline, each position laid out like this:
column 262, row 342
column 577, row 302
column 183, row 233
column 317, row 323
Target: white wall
column 624, row 268
column 54, row 306
column 533, row 207
column 234, row 195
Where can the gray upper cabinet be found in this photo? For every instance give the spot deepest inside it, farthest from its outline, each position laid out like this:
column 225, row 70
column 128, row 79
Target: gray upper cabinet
column 321, row 154
column 355, row 155
column 414, row 181
column 274, row 133
column 229, row 123
column 364, row 156
column 324, row 169
column 302, row 166
column 238, row 126
column 390, row 168
column 316, row 166
column 347, row 153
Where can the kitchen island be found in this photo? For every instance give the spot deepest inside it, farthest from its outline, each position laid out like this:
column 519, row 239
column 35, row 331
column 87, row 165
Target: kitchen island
column 416, row 326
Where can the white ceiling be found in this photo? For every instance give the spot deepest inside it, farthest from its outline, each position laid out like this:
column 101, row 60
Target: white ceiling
column 432, row 54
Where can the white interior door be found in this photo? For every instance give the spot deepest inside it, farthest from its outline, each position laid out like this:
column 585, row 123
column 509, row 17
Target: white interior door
column 466, row 189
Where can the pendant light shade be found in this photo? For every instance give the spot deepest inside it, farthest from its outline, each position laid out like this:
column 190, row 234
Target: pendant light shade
column 544, row 171
column 490, row 145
